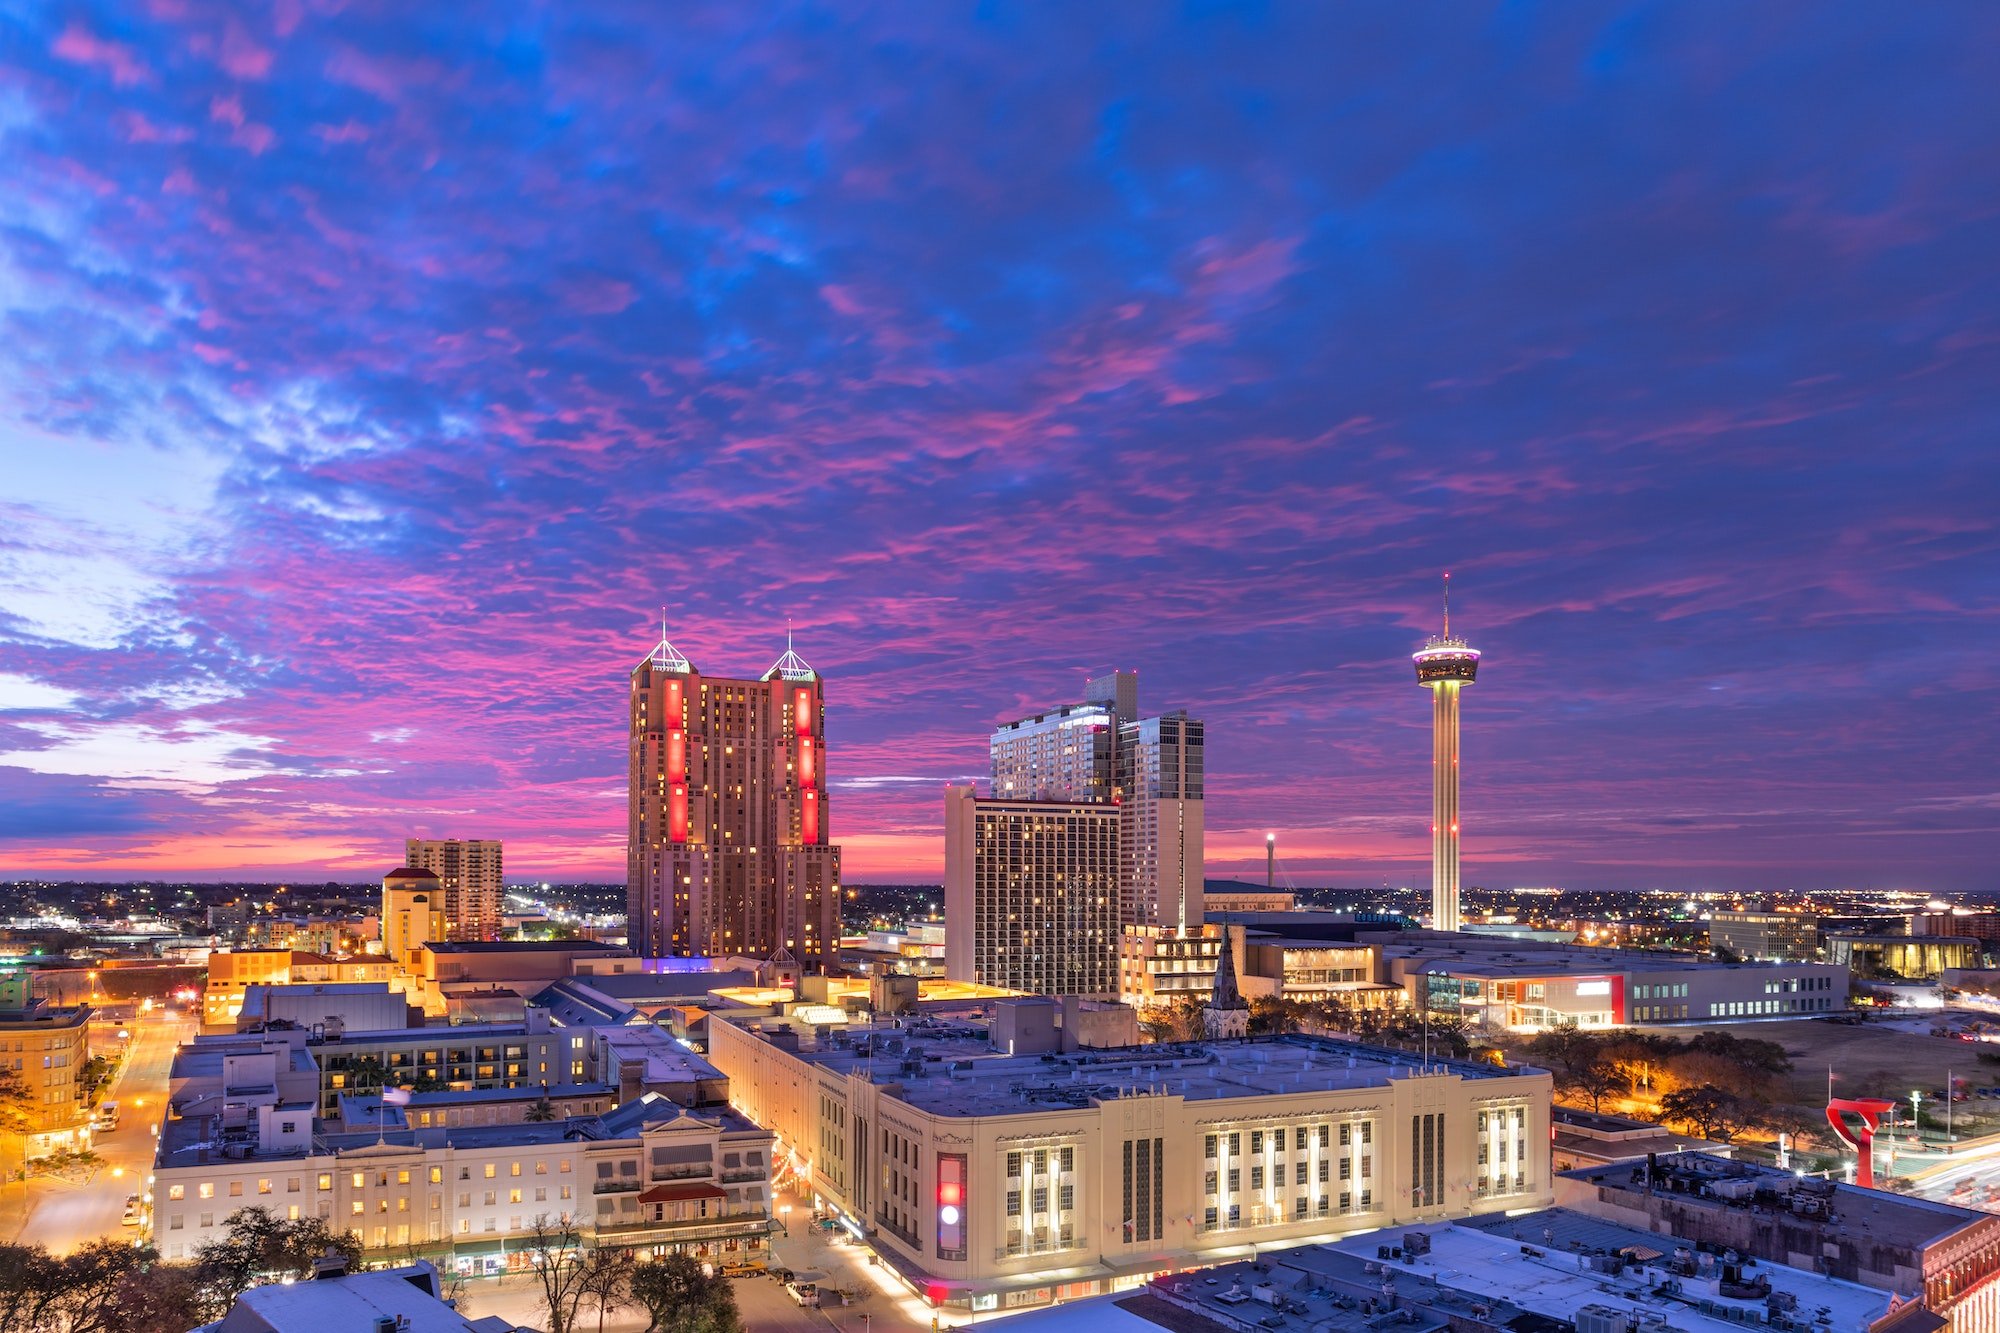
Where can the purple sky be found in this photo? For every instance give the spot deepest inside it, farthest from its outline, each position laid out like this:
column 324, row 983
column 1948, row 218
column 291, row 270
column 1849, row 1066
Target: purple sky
column 371, row 374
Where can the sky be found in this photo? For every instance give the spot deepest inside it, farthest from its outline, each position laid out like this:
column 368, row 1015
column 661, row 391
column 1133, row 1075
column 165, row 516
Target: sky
column 372, row 375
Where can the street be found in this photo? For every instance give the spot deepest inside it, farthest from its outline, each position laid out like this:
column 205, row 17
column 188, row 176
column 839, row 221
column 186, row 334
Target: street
column 64, row 1215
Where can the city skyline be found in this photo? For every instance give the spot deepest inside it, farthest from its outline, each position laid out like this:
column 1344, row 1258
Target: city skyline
column 369, row 386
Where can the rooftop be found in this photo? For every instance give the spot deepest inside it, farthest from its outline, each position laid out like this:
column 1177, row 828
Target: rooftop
column 1499, row 956
column 1702, row 1180
column 407, row 1297
column 197, row 1140
column 945, row 1065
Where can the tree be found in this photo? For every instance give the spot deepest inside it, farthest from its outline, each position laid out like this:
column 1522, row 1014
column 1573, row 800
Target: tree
column 96, row 1072
column 607, row 1281
column 73, row 1163
column 258, row 1245
column 17, row 1118
column 1714, row 1113
column 1180, row 1021
column 77, row 1293
column 541, row 1111
column 555, row 1248
column 679, row 1298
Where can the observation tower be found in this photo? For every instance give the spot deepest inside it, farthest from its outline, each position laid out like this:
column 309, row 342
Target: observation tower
column 1445, row 665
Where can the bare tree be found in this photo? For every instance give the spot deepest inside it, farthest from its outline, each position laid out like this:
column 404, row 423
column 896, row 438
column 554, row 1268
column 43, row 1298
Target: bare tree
column 560, row 1258
column 607, row 1281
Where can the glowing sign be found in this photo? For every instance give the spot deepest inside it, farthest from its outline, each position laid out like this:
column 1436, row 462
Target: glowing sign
column 1593, row 988
column 950, row 1195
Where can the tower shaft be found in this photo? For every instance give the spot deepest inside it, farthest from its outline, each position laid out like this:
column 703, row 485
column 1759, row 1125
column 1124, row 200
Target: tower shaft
column 1444, row 805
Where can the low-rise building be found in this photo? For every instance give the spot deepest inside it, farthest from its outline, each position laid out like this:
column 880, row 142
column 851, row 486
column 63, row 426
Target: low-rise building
column 1786, row 937
column 1160, row 966
column 648, row 1175
column 357, row 1005
column 989, row 1178
column 1936, row 1256
column 232, row 973
column 46, row 1046
column 1523, row 985
column 1552, row 1271
column 1910, row 957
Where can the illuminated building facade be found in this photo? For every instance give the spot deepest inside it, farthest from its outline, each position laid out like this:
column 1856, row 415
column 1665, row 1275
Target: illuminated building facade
column 468, row 873
column 729, row 850
column 1101, row 751
column 1031, row 894
column 994, row 1176
column 1444, row 667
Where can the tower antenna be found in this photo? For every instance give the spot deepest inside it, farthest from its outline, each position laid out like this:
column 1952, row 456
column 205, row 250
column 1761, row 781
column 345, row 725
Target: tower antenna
column 1447, row 604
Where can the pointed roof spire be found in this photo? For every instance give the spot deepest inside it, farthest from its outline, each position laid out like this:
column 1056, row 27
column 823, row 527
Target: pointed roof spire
column 1227, row 996
column 665, row 656
column 791, row 666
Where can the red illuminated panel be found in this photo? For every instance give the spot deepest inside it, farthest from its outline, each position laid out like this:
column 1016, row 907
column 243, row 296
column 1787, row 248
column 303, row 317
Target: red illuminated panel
column 809, row 818
column 677, row 757
column 802, row 712
column 951, row 1205
column 673, row 692
column 806, row 778
column 677, row 814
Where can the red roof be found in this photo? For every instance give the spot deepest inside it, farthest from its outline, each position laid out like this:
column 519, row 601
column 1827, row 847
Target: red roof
column 680, row 1193
column 410, row 872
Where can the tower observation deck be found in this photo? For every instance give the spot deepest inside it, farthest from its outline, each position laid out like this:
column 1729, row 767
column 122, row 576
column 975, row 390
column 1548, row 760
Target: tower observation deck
column 1445, row 665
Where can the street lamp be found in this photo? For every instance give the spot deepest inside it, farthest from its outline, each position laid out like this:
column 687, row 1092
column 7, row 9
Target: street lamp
column 1916, row 1119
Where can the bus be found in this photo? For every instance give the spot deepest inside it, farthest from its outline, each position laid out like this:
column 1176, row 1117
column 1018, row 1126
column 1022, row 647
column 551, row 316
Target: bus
column 107, row 1116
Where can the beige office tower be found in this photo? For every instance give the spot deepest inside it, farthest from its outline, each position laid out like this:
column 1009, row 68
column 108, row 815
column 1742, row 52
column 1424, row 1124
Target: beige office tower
column 412, row 913
column 1031, row 894
column 468, row 874
column 728, row 850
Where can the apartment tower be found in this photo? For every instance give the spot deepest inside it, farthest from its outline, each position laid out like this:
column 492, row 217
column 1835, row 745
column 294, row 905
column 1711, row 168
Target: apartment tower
column 468, row 873
column 728, row 850
column 1102, row 750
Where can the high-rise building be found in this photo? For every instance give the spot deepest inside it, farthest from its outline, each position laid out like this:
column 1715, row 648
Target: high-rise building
column 1160, row 818
column 468, row 874
column 1031, row 894
column 1444, row 666
column 729, row 851
column 1101, row 750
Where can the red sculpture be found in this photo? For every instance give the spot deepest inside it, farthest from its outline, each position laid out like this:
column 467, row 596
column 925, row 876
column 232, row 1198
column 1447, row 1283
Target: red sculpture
column 1869, row 1111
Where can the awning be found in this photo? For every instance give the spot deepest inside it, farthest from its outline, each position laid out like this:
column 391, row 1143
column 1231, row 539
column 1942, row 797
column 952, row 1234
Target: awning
column 681, row 1193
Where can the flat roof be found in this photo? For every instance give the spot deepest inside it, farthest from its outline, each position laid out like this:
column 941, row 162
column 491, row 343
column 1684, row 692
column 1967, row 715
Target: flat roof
column 1536, row 1262
column 958, row 1073
column 1894, row 1219
column 189, row 1141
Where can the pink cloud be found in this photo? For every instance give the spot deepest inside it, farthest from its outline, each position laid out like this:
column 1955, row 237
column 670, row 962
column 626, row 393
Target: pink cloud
column 79, row 46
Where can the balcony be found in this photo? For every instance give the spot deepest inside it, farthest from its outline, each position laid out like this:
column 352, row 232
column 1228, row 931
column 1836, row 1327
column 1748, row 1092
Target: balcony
column 616, row 1187
column 741, row 1174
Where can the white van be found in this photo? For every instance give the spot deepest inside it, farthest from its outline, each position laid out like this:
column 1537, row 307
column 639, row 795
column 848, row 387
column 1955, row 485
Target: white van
column 107, row 1116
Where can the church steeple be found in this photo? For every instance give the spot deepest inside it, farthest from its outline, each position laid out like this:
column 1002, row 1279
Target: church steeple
column 1227, row 1013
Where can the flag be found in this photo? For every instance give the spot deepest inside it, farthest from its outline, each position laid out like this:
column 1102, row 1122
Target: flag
column 395, row 1096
